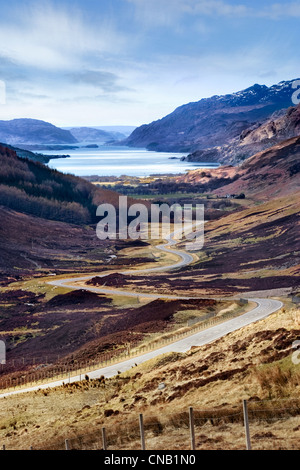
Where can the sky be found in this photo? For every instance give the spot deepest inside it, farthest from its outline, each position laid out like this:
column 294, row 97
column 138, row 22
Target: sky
column 130, row 62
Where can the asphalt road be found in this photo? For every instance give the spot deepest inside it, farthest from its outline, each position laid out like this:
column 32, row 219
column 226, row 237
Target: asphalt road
column 263, row 309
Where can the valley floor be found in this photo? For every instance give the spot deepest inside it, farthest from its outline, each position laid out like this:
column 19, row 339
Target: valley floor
column 251, row 247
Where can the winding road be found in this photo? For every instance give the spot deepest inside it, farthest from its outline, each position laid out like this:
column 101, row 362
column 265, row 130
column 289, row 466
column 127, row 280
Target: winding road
column 184, row 260
column 264, row 308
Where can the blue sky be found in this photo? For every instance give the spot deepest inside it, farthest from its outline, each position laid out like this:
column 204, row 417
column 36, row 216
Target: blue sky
column 114, row 62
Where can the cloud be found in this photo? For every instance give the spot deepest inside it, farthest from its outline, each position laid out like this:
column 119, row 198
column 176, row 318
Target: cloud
column 216, row 7
column 142, row 57
column 57, row 50
column 49, row 36
column 166, row 13
column 21, row 97
column 106, row 81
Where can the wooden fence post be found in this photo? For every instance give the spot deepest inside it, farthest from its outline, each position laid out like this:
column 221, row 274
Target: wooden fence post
column 192, row 428
column 143, row 447
column 67, row 444
column 246, row 424
column 104, row 442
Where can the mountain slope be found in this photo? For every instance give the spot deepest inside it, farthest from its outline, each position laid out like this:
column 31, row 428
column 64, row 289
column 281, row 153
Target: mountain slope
column 32, row 131
column 35, row 189
column 274, row 130
column 253, row 140
column 89, row 134
column 48, row 218
column 34, row 245
column 213, row 121
column 253, row 249
column 272, row 173
column 34, row 156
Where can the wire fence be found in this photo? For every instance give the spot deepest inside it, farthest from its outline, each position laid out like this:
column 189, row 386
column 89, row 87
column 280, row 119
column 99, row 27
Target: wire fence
column 254, row 425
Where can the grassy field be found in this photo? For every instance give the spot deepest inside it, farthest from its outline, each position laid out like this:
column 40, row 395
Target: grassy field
column 253, row 363
column 256, row 248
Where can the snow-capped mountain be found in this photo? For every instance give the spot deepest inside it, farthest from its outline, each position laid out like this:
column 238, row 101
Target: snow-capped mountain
column 214, row 121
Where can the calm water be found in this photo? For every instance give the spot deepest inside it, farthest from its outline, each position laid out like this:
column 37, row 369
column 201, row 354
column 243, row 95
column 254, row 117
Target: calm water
column 118, row 161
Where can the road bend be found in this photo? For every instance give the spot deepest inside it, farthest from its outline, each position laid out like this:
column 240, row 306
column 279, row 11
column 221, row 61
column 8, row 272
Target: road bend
column 263, row 308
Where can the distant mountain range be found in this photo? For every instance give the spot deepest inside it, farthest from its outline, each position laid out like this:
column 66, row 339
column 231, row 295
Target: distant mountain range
column 33, row 131
column 126, row 130
column 89, row 134
column 226, row 129
column 117, row 131
column 214, row 122
column 36, row 134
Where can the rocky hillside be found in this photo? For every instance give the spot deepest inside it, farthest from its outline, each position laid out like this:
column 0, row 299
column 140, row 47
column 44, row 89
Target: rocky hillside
column 253, row 140
column 32, row 131
column 270, row 173
column 274, row 130
column 213, row 121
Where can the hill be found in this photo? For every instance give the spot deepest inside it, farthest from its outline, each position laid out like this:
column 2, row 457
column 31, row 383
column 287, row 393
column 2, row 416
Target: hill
column 49, row 210
column 89, row 134
column 253, row 363
column 253, row 140
column 125, row 130
column 32, row 131
column 34, row 156
column 213, row 121
column 33, row 246
column 33, row 188
column 271, row 173
column 274, row 130
column 253, row 249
